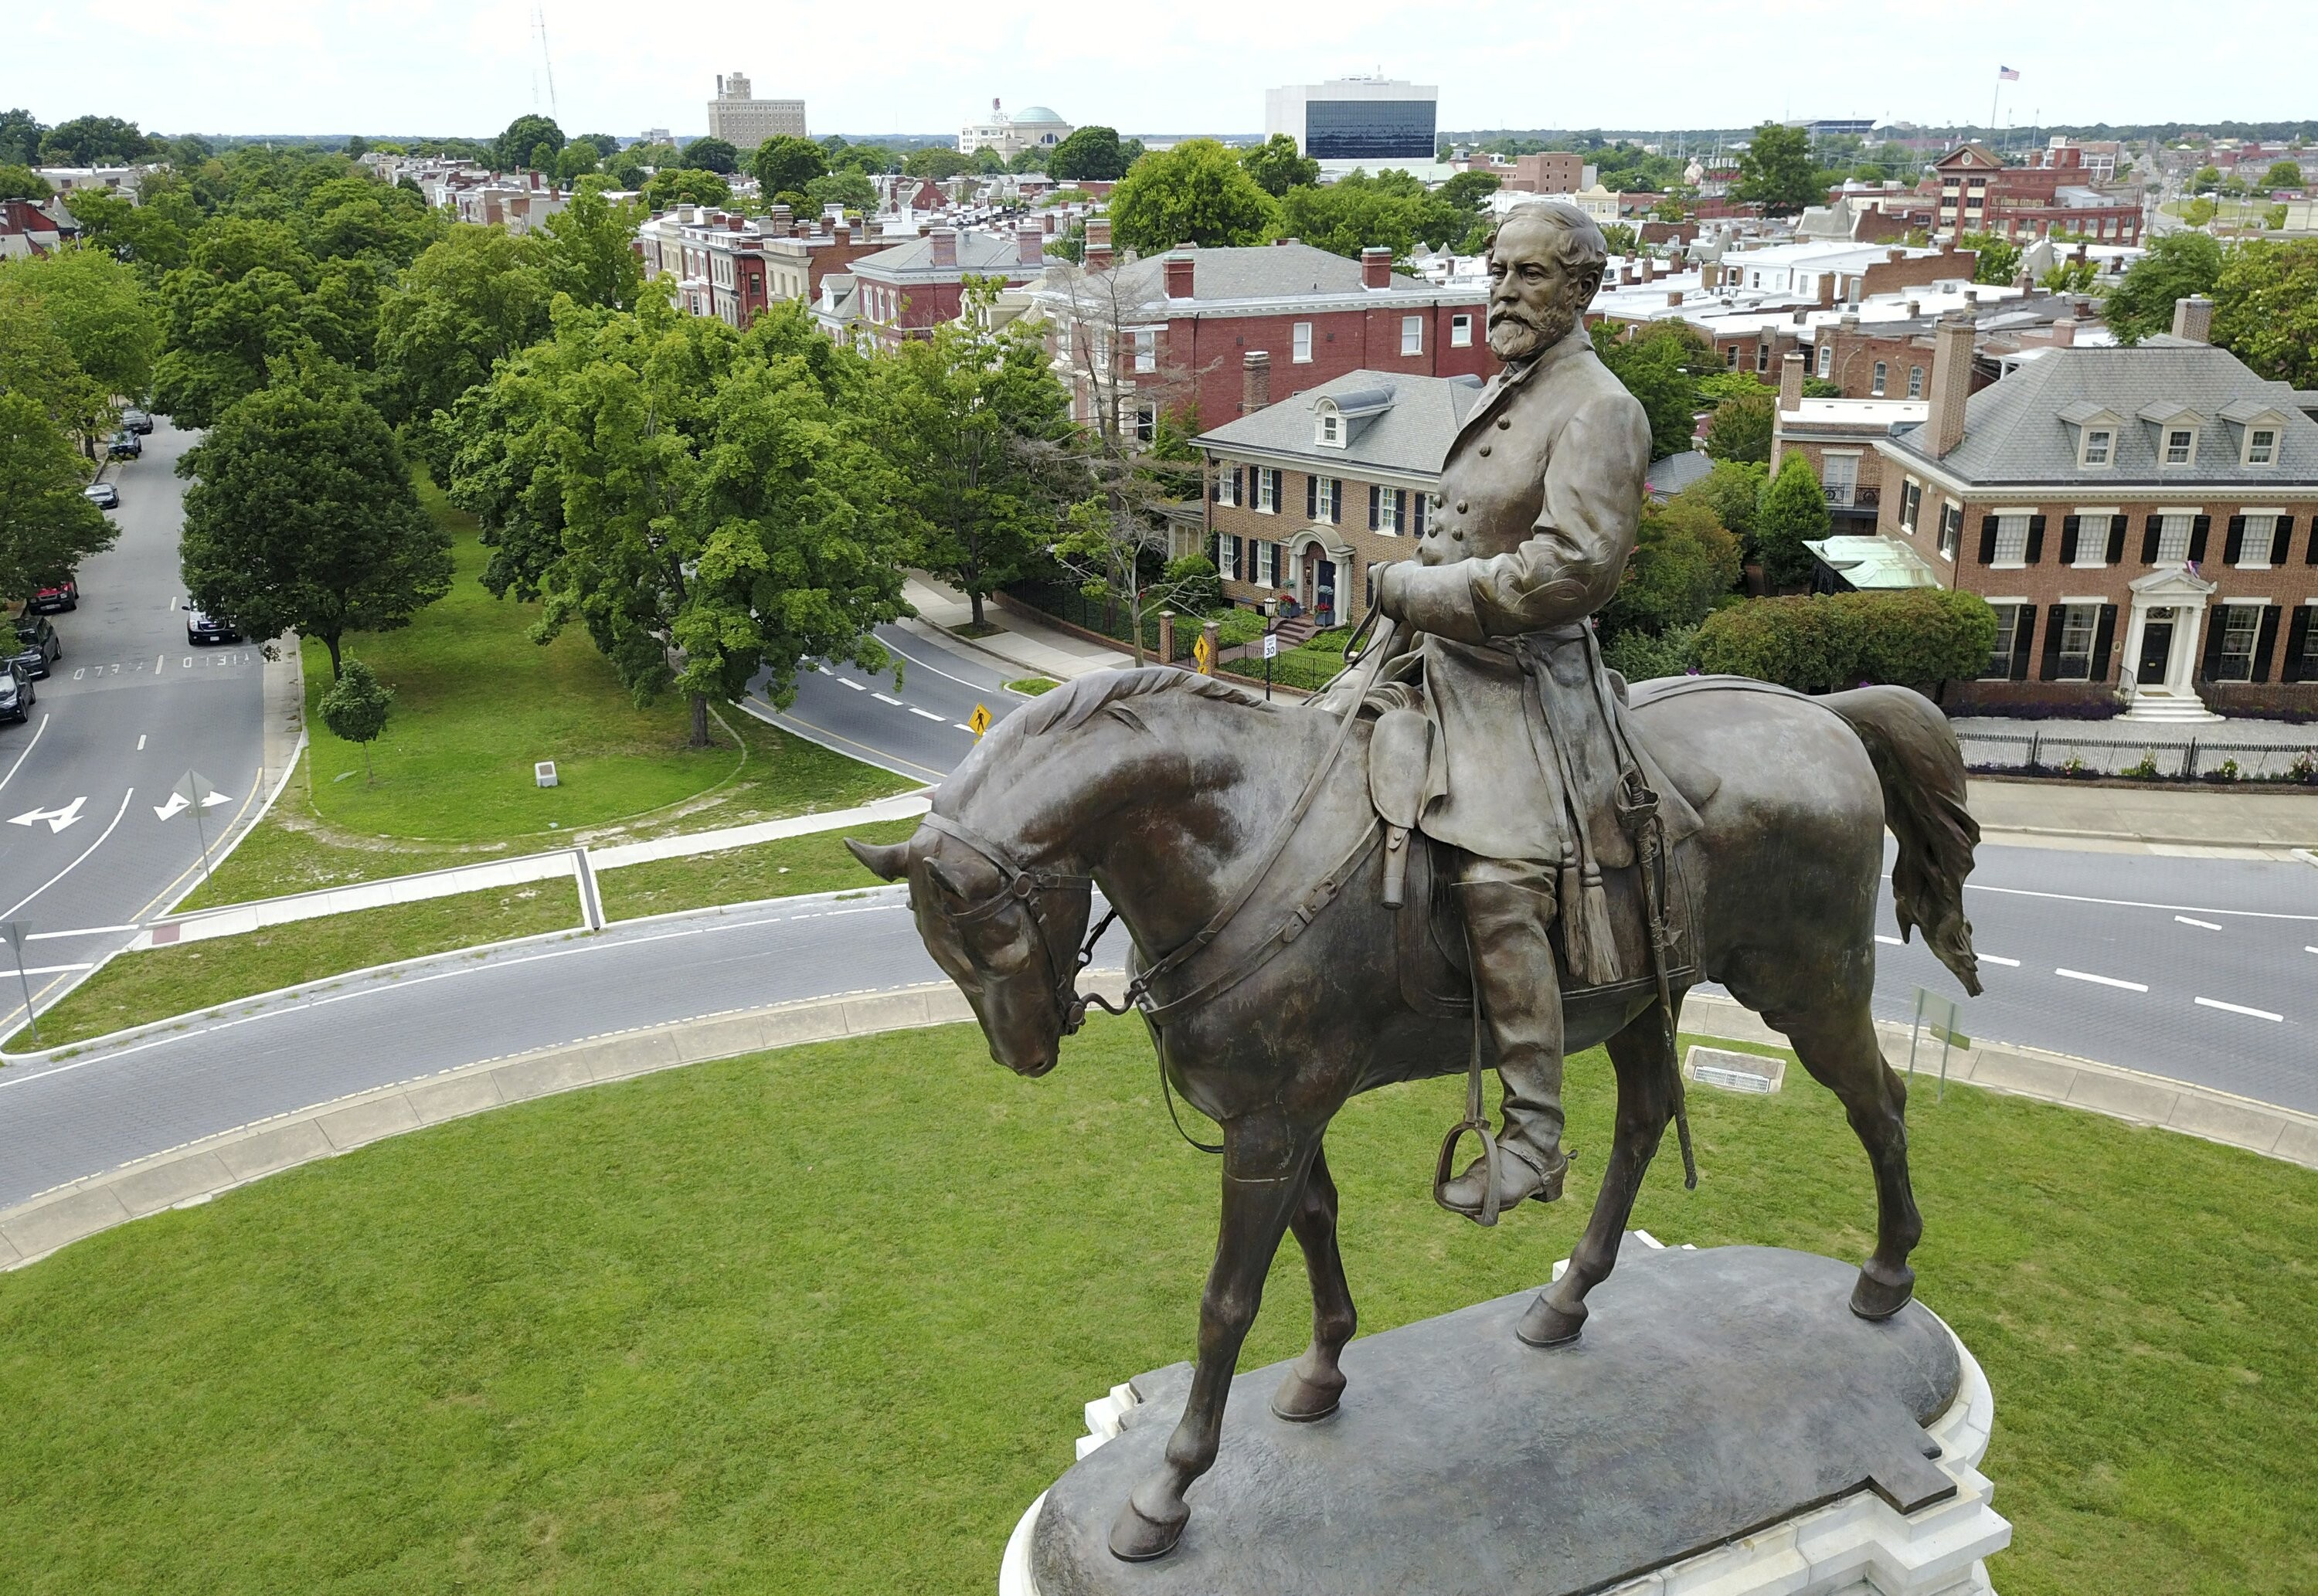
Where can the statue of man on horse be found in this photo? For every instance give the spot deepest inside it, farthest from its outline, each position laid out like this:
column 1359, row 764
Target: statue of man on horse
column 1530, row 531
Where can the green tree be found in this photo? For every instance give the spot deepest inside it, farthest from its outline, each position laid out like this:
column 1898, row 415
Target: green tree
column 848, row 188
column 1818, row 644
column 94, row 141
column 577, row 160
column 713, row 154
column 786, row 165
column 301, row 516
column 354, row 710
column 20, row 137
column 1795, row 508
column 2283, row 175
column 1684, row 560
column 21, row 182
column 1276, row 165
column 1775, row 170
column 683, row 185
column 2205, row 180
column 2069, row 276
column 587, row 250
column 932, row 161
column 974, row 421
column 2178, row 267
column 1089, row 155
column 866, row 159
column 100, row 310
column 1659, row 367
column 154, row 236
column 249, row 295
column 1621, row 237
column 1468, row 190
column 1031, row 159
column 467, row 303
column 1733, row 491
column 1998, row 259
column 2266, row 308
column 1741, row 427
column 1194, row 193
column 512, row 148
column 47, row 528
column 707, row 503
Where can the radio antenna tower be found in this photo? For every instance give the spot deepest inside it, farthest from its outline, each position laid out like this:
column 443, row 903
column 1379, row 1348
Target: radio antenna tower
column 546, row 61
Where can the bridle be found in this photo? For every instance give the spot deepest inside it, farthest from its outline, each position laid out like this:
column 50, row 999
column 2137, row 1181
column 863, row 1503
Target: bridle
column 1028, row 887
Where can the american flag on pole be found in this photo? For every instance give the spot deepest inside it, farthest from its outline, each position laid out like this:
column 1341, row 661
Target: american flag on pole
column 2007, row 74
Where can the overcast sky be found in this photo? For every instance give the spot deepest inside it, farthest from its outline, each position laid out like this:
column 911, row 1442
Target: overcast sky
column 468, row 67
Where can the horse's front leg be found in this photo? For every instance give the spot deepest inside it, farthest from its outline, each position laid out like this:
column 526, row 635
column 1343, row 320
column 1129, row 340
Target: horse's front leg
column 1265, row 1162
column 1315, row 1382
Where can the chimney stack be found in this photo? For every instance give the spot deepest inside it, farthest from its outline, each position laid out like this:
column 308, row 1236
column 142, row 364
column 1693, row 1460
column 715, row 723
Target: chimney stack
column 2192, row 318
column 1649, row 269
column 1178, row 268
column 1254, row 382
column 1894, row 257
column 1098, row 243
column 1827, row 290
column 1710, row 275
column 945, row 246
column 1674, row 296
column 1952, row 341
column 841, row 233
column 1376, row 267
column 2064, row 332
column 1790, row 382
column 1029, row 245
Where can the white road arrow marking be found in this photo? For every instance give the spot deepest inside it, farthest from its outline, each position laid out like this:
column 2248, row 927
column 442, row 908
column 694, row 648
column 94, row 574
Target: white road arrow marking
column 58, row 818
column 212, row 800
column 176, row 802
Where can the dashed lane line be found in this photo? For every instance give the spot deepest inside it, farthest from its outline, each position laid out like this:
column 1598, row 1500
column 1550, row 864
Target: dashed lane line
column 929, row 714
column 2201, row 925
column 2130, row 986
column 1888, row 941
column 884, row 698
column 2239, row 1009
column 1996, row 958
column 2251, row 914
column 849, row 682
column 27, row 754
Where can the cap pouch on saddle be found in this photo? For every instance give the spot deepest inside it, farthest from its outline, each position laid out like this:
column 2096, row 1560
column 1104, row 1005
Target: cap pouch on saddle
column 1399, row 748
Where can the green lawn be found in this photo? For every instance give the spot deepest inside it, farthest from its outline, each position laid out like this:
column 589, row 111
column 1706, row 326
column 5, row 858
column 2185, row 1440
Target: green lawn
column 816, row 862
column 700, row 1332
column 139, row 987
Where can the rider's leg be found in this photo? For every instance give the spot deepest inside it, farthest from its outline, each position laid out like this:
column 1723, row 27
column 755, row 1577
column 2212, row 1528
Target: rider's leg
column 1507, row 909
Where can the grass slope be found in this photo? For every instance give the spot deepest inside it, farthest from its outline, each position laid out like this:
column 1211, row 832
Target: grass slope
column 701, row 1332
column 817, row 863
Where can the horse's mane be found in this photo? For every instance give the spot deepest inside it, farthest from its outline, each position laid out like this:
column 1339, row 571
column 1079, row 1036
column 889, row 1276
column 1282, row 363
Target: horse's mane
column 1072, row 704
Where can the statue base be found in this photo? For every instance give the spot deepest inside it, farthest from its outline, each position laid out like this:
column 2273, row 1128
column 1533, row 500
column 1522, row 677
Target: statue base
column 1725, row 1425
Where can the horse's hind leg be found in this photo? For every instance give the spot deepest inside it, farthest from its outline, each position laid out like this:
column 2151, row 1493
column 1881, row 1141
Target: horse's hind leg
column 1840, row 1048
column 1643, row 1058
column 1315, row 1382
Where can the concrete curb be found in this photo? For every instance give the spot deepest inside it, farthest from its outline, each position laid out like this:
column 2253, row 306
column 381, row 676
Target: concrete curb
column 197, row 1171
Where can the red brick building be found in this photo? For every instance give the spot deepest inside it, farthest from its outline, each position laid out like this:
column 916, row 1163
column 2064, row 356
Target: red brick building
column 905, row 291
column 1979, row 193
column 1173, row 334
column 732, row 266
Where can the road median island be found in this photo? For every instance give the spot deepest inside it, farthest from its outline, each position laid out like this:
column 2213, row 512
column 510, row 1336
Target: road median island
column 547, row 1313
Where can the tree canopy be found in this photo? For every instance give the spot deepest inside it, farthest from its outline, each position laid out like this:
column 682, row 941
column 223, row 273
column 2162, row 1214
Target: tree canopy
column 1684, row 561
column 1794, row 507
column 2266, row 308
column 786, row 165
column 713, row 154
column 2177, row 266
column 1391, row 209
column 1998, row 260
column 932, row 161
column 685, row 185
column 1777, row 170
column 1741, row 427
column 1277, row 167
column 1194, row 193
column 95, row 141
column 47, row 528
column 2283, row 175
column 513, row 148
column 1660, row 367
column 1091, row 154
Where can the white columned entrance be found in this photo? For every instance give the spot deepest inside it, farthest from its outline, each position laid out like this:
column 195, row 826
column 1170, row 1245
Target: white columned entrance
column 2158, row 676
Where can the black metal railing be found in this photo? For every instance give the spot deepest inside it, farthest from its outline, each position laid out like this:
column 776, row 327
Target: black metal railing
column 2048, row 750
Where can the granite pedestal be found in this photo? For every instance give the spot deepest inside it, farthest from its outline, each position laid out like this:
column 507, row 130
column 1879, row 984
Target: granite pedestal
column 1724, row 1425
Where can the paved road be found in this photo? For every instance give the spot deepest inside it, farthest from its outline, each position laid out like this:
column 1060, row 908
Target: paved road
column 128, row 710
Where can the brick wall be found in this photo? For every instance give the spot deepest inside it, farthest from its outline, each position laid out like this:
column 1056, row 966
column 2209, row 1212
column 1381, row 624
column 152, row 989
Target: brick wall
column 1291, row 530
column 1202, row 358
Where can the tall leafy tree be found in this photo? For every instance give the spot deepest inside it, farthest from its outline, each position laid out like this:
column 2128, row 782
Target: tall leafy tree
column 786, row 164
column 709, row 504
column 1794, row 507
column 931, row 160
column 526, row 133
column 20, row 138
column 975, row 422
column 1659, row 367
column 1775, row 169
column 249, row 295
column 1089, row 154
column 2283, row 175
column 97, row 306
column 1277, row 167
column 467, row 303
column 94, row 141
column 1684, row 561
column 1741, row 427
column 590, row 250
column 301, row 516
column 1194, row 193
column 713, row 154
column 20, row 182
column 2266, row 308
column 1998, row 260
column 47, row 528
column 682, row 185
column 2177, row 266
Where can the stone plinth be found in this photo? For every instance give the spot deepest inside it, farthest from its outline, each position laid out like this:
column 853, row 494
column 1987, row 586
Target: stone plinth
column 1725, row 1425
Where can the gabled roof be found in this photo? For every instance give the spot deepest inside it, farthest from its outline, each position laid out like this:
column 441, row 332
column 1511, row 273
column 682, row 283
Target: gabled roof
column 1971, row 153
column 1410, row 434
column 1262, row 272
column 983, row 253
column 2020, row 429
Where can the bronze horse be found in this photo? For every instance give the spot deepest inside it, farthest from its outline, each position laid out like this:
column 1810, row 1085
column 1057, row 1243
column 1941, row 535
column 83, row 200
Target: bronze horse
column 1166, row 789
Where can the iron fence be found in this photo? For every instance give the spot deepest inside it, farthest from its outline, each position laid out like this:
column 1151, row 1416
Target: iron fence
column 2047, row 750
column 1109, row 619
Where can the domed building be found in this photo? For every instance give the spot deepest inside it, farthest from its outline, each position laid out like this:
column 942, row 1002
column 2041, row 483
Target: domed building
column 1034, row 127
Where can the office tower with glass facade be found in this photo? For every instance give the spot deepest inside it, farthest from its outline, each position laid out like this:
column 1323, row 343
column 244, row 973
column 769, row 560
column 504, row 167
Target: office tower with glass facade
column 1356, row 118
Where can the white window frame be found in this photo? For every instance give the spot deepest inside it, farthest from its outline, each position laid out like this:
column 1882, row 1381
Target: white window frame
column 2011, row 540
column 1265, row 559
column 2165, row 451
column 1227, row 555
column 1328, row 430
column 1825, row 360
column 1388, row 511
column 2007, row 629
column 1147, row 350
column 1146, row 421
column 1328, row 499
column 1267, row 491
column 1412, row 334
column 1460, row 330
column 1951, row 529
column 2227, row 622
column 2086, row 460
column 1227, row 484
column 2092, row 553
column 1882, row 379
column 2168, row 523
column 2256, row 556
column 2254, row 433
column 2084, row 621
column 1299, row 343
column 1915, row 383
column 1912, row 505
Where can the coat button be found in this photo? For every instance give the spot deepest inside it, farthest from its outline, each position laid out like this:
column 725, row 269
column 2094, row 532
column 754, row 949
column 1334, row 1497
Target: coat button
column 1459, row 535
column 1437, row 501
column 1461, row 507
column 1485, row 449
column 1504, row 422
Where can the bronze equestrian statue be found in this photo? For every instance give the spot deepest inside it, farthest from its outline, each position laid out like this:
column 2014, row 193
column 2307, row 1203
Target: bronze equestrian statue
column 1301, row 933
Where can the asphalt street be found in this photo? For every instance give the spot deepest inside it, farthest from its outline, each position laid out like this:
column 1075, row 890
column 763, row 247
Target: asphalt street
column 91, row 839
column 919, row 731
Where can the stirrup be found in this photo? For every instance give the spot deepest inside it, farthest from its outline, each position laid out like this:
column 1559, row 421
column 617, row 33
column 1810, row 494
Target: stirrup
column 1441, row 1167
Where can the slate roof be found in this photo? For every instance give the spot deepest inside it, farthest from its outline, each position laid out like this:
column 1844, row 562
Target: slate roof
column 1264, row 272
column 982, row 253
column 2018, row 430
column 1411, row 434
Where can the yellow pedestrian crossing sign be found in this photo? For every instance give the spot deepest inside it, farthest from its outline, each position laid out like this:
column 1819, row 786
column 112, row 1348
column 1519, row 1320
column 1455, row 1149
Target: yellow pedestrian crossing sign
column 978, row 722
column 1204, row 652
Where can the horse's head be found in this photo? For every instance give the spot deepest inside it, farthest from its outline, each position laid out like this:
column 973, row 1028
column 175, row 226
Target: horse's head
column 1008, row 936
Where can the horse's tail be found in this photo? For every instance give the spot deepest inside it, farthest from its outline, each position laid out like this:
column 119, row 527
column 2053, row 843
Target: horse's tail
column 1917, row 758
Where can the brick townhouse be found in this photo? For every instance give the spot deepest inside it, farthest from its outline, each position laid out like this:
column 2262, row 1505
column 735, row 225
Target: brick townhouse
column 1172, row 333
column 1891, row 356
column 732, row 266
column 1979, row 193
column 1838, row 438
column 2145, row 520
column 1306, row 493
column 907, row 290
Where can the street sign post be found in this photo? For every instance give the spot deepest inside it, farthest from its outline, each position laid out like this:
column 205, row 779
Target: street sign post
column 13, row 935
column 978, row 722
column 1203, row 653
column 1945, row 1019
column 1271, row 652
column 195, row 792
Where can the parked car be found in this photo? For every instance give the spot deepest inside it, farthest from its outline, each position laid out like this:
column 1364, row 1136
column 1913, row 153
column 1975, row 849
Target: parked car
column 204, row 628
column 15, row 695
column 125, row 445
column 64, row 596
column 137, row 421
column 104, row 496
column 38, row 646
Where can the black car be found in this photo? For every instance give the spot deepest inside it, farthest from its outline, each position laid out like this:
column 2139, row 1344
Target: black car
column 38, row 646
column 125, row 445
column 201, row 628
column 136, row 421
column 15, row 695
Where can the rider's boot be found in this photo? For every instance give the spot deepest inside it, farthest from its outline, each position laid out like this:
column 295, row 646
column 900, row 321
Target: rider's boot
column 1507, row 910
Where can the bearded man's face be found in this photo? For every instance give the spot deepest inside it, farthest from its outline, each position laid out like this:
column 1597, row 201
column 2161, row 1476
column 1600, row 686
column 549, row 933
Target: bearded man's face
column 1534, row 301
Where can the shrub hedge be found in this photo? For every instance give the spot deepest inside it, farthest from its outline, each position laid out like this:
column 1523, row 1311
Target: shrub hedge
column 1823, row 642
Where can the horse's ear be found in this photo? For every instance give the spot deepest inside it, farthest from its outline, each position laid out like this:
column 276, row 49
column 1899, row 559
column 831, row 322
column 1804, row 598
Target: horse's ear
column 887, row 861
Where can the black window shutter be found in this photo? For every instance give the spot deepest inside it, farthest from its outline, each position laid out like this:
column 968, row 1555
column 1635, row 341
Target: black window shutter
column 1311, row 498
column 2024, row 638
column 1400, row 510
column 2103, row 638
column 2115, row 539
column 1424, row 507
column 2281, row 540
column 1988, row 539
column 2265, row 643
column 2053, row 617
column 2151, row 528
column 2298, row 642
column 1238, row 483
column 2071, row 526
column 2310, row 553
column 1373, row 490
column 2198, row 532
column 2215, row 618
column 2233, row 542
column 2036, row 540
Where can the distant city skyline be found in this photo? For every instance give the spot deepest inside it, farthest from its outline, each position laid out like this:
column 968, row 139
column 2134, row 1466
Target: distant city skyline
column 427, row 66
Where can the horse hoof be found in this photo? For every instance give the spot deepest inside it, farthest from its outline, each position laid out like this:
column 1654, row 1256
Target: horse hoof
column 1300, row 1401
column 1874, row 1299
column 1545, row 1325
column 1135, row 1537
